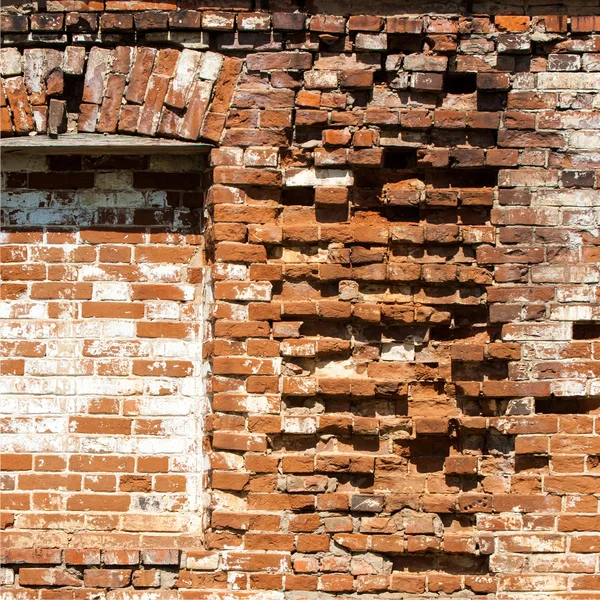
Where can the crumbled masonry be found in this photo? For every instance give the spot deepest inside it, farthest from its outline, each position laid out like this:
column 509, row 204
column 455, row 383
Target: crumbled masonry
column 347, row 346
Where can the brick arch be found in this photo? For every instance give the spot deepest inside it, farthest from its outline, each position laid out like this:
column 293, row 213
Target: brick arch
column 132, row 90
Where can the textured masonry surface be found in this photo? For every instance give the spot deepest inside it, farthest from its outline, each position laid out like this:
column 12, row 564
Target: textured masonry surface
column 394, row 242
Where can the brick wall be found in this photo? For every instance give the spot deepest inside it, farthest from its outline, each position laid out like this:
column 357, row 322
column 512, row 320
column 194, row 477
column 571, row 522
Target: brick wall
column 401, row 238
column 101, row 345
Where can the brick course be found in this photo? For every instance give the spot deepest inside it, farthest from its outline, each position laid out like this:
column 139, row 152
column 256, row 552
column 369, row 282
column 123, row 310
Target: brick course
column 369, row 368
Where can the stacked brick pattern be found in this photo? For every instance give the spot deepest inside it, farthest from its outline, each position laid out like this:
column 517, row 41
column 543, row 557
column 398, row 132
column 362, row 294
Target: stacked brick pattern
column 401, row 236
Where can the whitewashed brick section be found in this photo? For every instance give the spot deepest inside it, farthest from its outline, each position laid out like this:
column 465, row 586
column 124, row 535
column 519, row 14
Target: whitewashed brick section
column 103, row 342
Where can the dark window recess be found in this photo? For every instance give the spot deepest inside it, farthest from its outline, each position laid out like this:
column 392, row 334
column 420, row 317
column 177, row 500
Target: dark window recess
column 461, row 83
column 586, row 330
column 65, row 163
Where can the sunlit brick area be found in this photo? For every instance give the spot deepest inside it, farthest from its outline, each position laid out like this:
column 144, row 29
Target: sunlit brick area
column 300, row 300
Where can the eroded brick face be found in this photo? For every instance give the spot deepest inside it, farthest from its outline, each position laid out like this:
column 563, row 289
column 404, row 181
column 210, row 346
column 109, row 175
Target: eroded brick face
column 400, row 238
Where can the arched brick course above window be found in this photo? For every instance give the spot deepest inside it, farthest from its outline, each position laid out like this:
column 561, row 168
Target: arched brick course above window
column 132, row 90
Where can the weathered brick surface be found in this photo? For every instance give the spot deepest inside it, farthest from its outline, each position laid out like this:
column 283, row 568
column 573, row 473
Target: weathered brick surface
column 370, row 369
column 102, row 287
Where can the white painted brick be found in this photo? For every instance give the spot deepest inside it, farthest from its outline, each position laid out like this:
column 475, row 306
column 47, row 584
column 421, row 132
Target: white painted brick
column 162, row 310
column 114, row 180
column 163, row 273
column 571, row 313
column 210, row 66
column 108, row 386
column 159, row 445
column 566, row 198
column 99, row 444
column 318, row 178
column 568, row 388
column 10, row 62
column 393, row 351
column 537, row 331
column 22, row 163
column 320, row 80
column 376, row 42
column 589, row 140
column 568, row 81
column 111, row 291
column 230, row 272
column 7, row 576
column 21, row 199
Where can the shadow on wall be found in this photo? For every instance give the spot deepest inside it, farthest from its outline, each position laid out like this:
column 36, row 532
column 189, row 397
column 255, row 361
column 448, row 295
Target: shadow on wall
column 102, row 191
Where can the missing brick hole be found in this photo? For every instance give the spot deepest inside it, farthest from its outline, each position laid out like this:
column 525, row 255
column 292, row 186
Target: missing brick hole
column 401, row 214
column 309, row 134
column 479, row 371
column 377, row 178
column 300, row 405
column 73, row 92
column 396, row 158
column 380, row 76
column 454, row 564
column 586, row 330
column 358, row 481
column 405, row 43
column 567, row 405
column 463, row 178
column 334, row 214
column 482, row 407
column 491, row 101
column 530, row 462
column 460, row 83
column 473, row 138
column 300, row 196
column 294, row 443
column 593, row 461
column 458, row 521
column 360, row 98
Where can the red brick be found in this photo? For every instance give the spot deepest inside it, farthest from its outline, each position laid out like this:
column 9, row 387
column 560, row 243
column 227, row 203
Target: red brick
column 19, row 104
